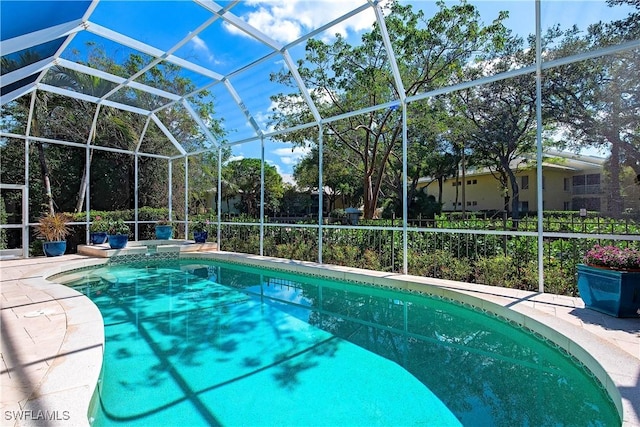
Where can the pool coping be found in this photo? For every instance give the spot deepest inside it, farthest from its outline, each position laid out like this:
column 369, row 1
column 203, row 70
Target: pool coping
column 64, row 379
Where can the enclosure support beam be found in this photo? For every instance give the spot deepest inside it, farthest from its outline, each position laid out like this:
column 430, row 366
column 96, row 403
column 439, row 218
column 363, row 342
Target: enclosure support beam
column 87, row 178
column 170, row 187
column 135, row 196
column 25, row 194
column 539, row 148
column 186, row 197
column 405, row 208
column 261, row 196
column 320, row 188
column 219, row 195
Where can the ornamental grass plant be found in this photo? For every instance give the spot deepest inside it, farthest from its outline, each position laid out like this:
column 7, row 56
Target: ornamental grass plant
column 613, row 257
column 54, row 227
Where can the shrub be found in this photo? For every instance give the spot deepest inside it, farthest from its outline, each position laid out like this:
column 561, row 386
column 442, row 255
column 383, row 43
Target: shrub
column 3, row 220
column 504, row 271
column 439, row 264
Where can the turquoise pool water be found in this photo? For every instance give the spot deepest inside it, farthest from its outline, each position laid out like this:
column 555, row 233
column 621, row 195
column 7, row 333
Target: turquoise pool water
column 201, row 343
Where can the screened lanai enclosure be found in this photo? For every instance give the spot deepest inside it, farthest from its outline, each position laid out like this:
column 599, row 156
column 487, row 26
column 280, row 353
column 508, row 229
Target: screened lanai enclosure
column 489, row 142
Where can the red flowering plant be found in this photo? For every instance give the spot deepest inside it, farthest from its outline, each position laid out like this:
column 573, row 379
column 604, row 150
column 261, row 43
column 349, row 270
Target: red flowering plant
column 613, row 257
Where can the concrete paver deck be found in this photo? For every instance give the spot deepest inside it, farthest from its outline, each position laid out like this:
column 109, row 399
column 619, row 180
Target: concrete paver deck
column 52, row 336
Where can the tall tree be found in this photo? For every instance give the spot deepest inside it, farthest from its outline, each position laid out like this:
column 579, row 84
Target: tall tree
column 69, row 119
column 502, row 115
column 596, row 102
column 245, row 173
column 338, row 179
column 344, row 78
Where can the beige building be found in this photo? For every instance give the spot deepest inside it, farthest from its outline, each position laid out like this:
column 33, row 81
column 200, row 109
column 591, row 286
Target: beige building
column 569, row 182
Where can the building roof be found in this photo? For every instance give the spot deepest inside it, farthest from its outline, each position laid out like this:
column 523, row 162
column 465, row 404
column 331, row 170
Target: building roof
column 552, row 160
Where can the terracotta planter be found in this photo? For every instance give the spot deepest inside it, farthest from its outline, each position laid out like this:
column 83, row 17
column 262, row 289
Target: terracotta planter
column 614, row 292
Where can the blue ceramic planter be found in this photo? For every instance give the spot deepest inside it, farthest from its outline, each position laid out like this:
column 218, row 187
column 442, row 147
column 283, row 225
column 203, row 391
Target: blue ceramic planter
column 54, row 248
column 200, row 236
column 118, row 241
column 613, row 292
column 164, row 232
column 98, row 237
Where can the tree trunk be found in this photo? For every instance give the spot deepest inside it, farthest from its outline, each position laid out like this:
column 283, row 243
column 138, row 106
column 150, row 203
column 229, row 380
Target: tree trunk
column 369, row 198
column 83, row 185
column 45, row 177
column 515, row 200
column 614, row 199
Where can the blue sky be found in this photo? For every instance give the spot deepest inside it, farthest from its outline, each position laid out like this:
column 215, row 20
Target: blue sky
column 224, row 49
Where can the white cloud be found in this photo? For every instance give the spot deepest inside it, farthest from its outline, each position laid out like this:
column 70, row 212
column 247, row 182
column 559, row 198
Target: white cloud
column 286, row 20
column 291, row 156
column 201, row 45
column 286, row 177
column 234, row 158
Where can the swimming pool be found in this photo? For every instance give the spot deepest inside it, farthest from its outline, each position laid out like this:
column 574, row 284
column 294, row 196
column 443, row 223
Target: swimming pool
column 206, row 343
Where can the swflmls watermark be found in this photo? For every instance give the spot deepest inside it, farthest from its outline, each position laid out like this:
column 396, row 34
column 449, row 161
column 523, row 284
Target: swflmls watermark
column 39, row 415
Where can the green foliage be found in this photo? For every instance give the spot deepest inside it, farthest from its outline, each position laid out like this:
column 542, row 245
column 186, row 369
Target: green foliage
column 503, row 271
column 118, row 226
column 3, row 220
column 199, row 226
column 99, row 224
column 440, row 264
column 147, row 213
column 245, row 175
column 112, row 174
column 300, row 250
column 430, row 53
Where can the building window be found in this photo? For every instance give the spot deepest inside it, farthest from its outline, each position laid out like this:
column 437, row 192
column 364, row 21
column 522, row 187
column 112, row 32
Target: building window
column 524, row 182
column 566, row 205
column 586, row 184
column 524, row 206
column 475, row 181
column 468, row 182
column 593, row 179
column 566, row 185
column 468, row 203
column 475, row 203
column 578, row 180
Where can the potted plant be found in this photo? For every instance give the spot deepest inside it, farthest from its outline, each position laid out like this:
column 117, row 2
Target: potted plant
column 98, row 231
column 117, row 233
column 164, row 229
column 200, row 231
column 54, row 229
column 609, row 280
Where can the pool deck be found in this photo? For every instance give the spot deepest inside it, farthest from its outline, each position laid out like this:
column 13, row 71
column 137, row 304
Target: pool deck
column 52, row 336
